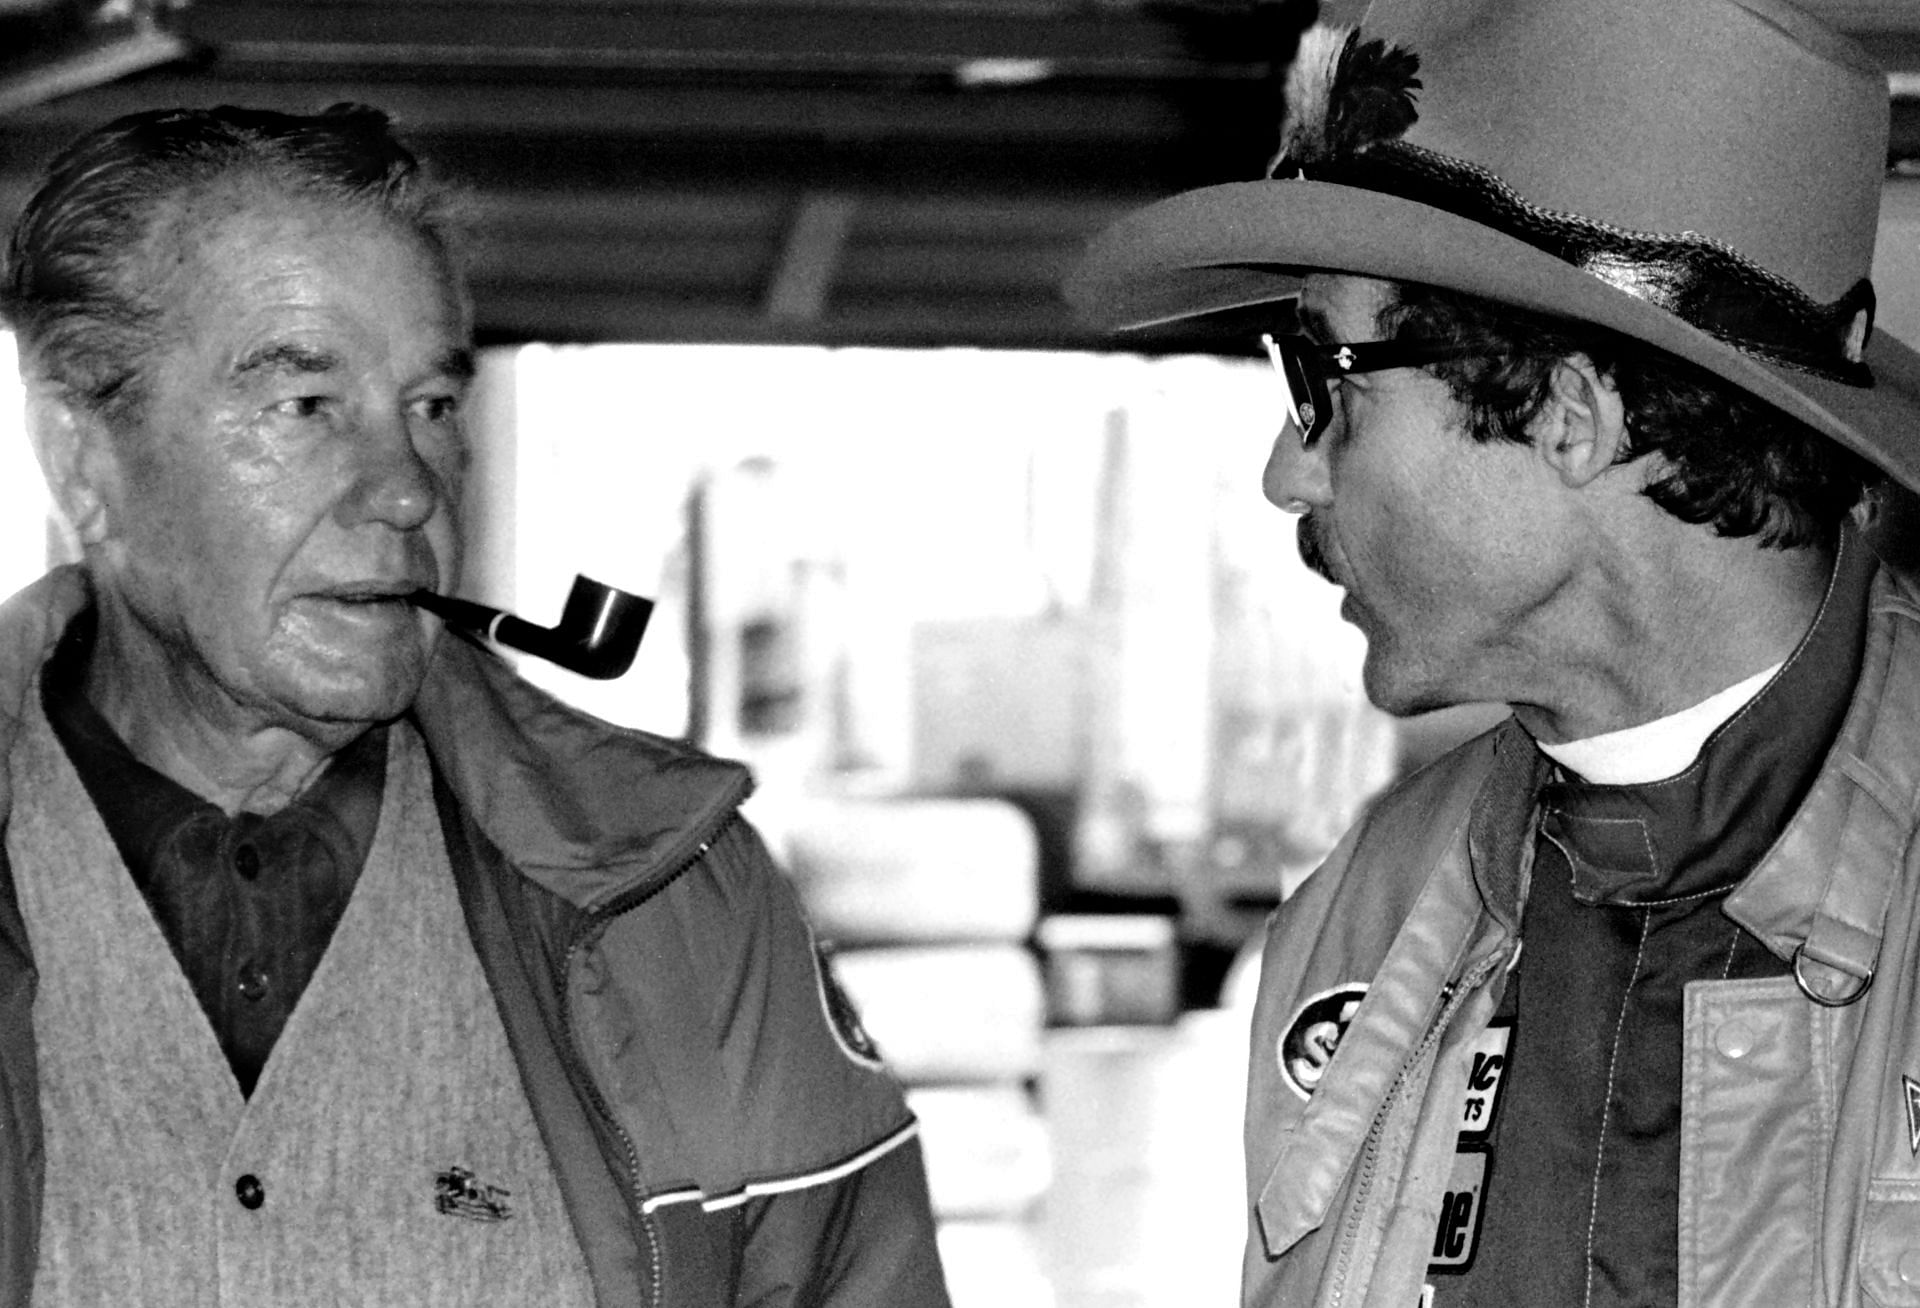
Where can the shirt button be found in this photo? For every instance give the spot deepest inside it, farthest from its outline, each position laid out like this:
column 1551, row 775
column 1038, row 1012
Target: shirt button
column 1910, row 1267
column 253, row 982
column 1734, row 1039
column 249, row 1191
column 246, row 861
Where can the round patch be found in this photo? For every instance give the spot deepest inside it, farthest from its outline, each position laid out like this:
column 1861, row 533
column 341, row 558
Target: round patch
column 843, row 1019
column 1308, row 1044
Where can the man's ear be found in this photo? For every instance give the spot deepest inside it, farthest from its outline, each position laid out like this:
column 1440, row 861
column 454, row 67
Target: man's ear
column 1582, row 428
column 76, row 454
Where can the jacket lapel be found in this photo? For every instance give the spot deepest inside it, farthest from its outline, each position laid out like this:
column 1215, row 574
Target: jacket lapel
column 552, row 788
column 1482, row 845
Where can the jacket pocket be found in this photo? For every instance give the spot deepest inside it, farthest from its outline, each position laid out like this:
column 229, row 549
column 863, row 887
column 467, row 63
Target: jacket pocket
column 1890, row 1251
column 1752, row 1153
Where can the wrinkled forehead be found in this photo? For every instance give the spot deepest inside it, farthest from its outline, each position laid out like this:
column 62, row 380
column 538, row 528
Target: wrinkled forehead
column 266, row 286
column 256, row 208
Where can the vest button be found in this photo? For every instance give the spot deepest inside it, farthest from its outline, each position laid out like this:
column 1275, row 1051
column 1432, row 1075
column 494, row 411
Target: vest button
column 249, row 1191
column 253, row 981
column 246, row 861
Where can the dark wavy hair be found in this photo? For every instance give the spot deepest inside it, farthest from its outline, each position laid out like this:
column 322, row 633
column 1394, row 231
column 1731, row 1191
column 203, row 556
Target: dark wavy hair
column 1733, row 463
column 84, row 287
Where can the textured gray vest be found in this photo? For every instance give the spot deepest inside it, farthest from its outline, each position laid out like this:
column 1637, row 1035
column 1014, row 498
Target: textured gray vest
column 388, row 1155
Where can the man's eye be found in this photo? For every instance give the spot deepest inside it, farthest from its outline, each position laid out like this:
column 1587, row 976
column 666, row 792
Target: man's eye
column 437, row 408
column 301, row 406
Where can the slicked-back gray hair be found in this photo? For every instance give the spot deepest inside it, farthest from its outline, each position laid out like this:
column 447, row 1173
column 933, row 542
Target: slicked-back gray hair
column 80, row 286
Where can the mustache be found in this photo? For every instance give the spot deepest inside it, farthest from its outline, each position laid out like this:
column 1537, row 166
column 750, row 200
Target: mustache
column 1313, row 550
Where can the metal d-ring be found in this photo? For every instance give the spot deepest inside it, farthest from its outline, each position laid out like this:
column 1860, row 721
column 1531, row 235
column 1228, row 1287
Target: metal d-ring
column 1866, row 983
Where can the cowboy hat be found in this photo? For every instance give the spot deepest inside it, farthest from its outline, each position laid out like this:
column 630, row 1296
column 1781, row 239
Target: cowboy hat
column 1700, row 175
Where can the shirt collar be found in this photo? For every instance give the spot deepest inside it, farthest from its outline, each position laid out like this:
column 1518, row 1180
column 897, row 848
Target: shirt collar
column 1654, row 751
column 141, row 807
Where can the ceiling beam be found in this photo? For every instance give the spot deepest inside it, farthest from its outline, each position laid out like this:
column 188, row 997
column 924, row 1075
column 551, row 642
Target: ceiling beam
column 809, row 257
column 59, row 50
column 1106, row 41
column 650, row 111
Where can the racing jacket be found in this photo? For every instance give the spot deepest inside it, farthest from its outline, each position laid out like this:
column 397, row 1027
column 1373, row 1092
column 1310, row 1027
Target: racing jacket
column 717, row 1136
column 1800, row 1103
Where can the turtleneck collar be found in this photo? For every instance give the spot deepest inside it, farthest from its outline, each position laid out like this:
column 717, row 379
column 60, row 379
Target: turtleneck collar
column 1701, row 830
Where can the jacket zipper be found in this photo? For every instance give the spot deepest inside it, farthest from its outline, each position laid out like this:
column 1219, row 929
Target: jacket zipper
column 595, row 926
column 1452, row 996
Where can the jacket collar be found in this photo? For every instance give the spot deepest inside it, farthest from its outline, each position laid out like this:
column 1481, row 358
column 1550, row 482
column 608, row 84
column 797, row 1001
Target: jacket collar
column 557, row 791
column 593, row 812
column 1819, row 897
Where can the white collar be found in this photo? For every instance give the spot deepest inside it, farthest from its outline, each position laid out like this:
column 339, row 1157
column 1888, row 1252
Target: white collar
column 1662, row 748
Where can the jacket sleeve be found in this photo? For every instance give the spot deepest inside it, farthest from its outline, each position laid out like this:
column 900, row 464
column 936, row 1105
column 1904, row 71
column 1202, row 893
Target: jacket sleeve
column 858, row 1233
column 864, row 1240
column 745, row 1085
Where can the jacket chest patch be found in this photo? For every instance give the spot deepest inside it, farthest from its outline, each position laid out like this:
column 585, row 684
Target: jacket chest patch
column 1912, row 1089
column 1311, row 1037
column 1486, row 1073
column 1457, row 1234
column 843, row 1019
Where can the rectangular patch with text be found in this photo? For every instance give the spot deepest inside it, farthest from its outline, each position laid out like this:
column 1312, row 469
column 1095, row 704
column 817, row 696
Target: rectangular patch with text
column 1458, row 1229
column 1486, row 1070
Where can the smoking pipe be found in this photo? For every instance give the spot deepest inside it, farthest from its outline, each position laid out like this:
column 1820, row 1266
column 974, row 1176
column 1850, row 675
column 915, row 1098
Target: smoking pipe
column 597, row 636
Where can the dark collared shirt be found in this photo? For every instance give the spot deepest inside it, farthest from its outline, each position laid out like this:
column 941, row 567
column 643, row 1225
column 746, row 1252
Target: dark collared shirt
column 247, row 902
column 1582, row 1185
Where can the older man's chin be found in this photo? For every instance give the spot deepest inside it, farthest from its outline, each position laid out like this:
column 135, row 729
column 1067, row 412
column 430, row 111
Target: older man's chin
column 334, row 690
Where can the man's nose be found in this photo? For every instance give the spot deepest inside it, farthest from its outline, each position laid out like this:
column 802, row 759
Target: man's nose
column 1295, row 479
column 394, row 485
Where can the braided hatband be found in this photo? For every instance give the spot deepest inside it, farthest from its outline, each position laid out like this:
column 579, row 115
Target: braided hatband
column 1704, row 282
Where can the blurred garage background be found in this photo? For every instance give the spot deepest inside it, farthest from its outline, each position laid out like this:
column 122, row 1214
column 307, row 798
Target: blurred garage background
column 1045, row 712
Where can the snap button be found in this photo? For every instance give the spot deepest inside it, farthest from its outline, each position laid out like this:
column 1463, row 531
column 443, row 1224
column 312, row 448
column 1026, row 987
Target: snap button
column 253, row 982
column 249, row 1191
column 246, row 861
column 1910, row 1267
column 1734, row 1038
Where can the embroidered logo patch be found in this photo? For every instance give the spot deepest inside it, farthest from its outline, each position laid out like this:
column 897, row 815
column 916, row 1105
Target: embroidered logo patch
column 1308, row 1044
column 843, row 1019
column 1912, row 1088
column 457, row 1192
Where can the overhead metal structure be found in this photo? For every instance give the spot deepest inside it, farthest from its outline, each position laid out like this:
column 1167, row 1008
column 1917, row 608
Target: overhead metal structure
column 906, row 172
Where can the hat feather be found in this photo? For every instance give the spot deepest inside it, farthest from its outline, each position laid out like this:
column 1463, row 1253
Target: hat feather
column 1343, row 94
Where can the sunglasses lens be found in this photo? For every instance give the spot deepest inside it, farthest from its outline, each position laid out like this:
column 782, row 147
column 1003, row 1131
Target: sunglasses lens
column 1297, row 385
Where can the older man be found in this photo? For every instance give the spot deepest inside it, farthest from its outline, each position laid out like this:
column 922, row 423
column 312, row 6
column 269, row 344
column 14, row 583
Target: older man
column 1615, row 1004
column 337, row 965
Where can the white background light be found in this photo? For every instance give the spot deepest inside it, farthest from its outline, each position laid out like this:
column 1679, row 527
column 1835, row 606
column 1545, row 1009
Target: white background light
column 24, row 504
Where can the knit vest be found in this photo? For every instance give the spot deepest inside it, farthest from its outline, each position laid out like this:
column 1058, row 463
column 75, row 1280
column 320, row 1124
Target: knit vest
column 388, row 1155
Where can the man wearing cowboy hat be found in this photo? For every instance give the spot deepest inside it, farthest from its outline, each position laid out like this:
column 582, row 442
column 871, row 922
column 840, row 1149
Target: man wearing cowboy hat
column 1616, row 1003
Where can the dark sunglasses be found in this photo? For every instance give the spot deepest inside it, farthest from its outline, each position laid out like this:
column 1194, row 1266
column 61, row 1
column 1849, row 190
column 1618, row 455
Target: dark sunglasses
column 1306, row 366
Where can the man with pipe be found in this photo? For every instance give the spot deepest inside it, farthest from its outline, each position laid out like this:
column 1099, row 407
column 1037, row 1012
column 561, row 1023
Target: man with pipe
column 1586, row 414
column 336, row 964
